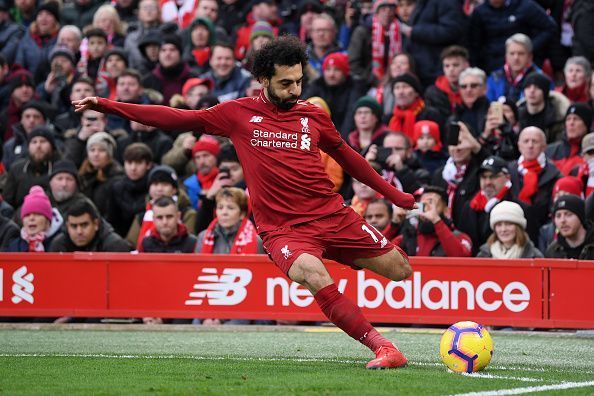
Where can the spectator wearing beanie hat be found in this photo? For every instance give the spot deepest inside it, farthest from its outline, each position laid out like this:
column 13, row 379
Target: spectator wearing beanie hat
column 202, row 36
column 575, row 237
column 172, row 71
column 204, row 155
column 261, row 33
column 33, row 114
column 40, row 38
column 58, row 84
column 427, row 145
column 369, row 129
column 163, row 182
column 565, row 185
column 36, row 215
column 409, row 105
column 195, row 89
column 115, row 62
column 339, row 90
column 99, row 171
column 63, row 186
column 509, row 239
column 565, row 153
column 542, row 107
column 34, row 168
column 21, row 90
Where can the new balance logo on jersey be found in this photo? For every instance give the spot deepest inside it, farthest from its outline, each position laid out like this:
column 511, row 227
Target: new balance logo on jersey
column 256, row 119
column 229, row 288
column 305, row 142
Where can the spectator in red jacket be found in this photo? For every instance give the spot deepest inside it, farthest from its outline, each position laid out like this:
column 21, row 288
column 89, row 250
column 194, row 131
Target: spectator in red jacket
column 431, row 232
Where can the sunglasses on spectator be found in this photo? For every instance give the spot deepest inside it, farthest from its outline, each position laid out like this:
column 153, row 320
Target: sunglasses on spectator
column 471, row 85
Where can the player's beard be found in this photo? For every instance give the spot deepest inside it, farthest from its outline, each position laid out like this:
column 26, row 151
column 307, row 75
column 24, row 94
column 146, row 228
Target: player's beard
column 284, row 104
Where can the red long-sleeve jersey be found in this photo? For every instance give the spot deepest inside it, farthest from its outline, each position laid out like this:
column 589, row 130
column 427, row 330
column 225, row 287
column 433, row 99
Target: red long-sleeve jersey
column 278, row 151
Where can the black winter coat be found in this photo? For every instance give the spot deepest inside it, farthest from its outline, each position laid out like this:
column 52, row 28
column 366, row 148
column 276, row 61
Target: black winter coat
column 341, row 100
column 126, row 201
column 106, row 240
column 436, row 24
column 491, row 27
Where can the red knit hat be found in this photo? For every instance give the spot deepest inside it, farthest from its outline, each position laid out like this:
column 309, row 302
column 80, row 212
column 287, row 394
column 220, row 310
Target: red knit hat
column 192, row 82
column 207, row 144
column 427, row 127
column 569, row 184
column 37, row 202
column 338, row 60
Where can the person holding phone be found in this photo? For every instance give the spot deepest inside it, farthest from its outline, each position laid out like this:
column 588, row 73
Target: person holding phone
column 459, row 175
column 430, row 232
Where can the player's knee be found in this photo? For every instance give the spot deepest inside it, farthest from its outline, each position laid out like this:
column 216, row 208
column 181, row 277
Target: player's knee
column 402, row 269
column 312, row 275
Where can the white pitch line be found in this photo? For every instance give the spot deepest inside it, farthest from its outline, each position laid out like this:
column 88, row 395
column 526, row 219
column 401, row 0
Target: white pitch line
column 505, row 377
column 530, row 389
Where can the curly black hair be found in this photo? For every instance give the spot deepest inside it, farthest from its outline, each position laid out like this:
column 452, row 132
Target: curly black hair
column 284, row 51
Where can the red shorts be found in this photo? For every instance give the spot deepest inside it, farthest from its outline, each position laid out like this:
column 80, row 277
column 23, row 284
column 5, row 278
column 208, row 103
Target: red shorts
column 342, row 236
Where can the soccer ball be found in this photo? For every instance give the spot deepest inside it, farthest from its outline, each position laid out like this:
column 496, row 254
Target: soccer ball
column 466, row 347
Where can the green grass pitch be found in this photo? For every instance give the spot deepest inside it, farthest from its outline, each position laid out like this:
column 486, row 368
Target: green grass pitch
column 278, row 362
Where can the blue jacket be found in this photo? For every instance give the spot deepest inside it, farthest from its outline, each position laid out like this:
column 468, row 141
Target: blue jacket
column 193, row 188
column 436, row 24
column 497, row 85
column 232, row 87
column 29, row 54
column 10, row 37
column 491, row 27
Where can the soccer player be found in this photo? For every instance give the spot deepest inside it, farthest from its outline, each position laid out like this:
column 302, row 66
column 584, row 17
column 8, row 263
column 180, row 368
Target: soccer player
column 299, row 218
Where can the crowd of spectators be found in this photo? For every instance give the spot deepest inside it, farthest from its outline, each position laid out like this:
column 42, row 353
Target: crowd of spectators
column 482, row 109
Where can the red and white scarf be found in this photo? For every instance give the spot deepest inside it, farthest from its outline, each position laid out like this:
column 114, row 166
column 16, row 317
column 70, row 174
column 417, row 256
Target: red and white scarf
column 586, row 173
column 403, row 119
column 207, row 180
column 146, row 226
column 246, row 239
column 35, row 241
column 378, row 39
column 481, row 203
column 530, row 171
column 453, row 175
column 515, row 81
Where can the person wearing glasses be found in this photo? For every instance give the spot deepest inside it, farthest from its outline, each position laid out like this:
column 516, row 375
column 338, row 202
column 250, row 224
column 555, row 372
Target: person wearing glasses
column 475, row 105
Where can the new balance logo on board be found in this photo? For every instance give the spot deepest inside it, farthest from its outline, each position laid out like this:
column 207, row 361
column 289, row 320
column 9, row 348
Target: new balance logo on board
column 229, row 288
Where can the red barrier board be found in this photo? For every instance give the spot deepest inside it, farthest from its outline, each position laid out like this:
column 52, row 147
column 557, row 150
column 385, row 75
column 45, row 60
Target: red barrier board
column 441, row 291
column 571, row 293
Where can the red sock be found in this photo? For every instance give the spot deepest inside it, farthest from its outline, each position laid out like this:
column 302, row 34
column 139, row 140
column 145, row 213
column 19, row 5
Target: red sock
column 346, row 315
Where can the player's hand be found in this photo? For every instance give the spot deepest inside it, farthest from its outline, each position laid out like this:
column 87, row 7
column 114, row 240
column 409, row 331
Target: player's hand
column 371, row 153
column 90, row 102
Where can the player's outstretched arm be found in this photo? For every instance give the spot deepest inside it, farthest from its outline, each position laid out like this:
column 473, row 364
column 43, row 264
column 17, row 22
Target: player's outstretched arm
column 162, row 117
column 359, row 168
